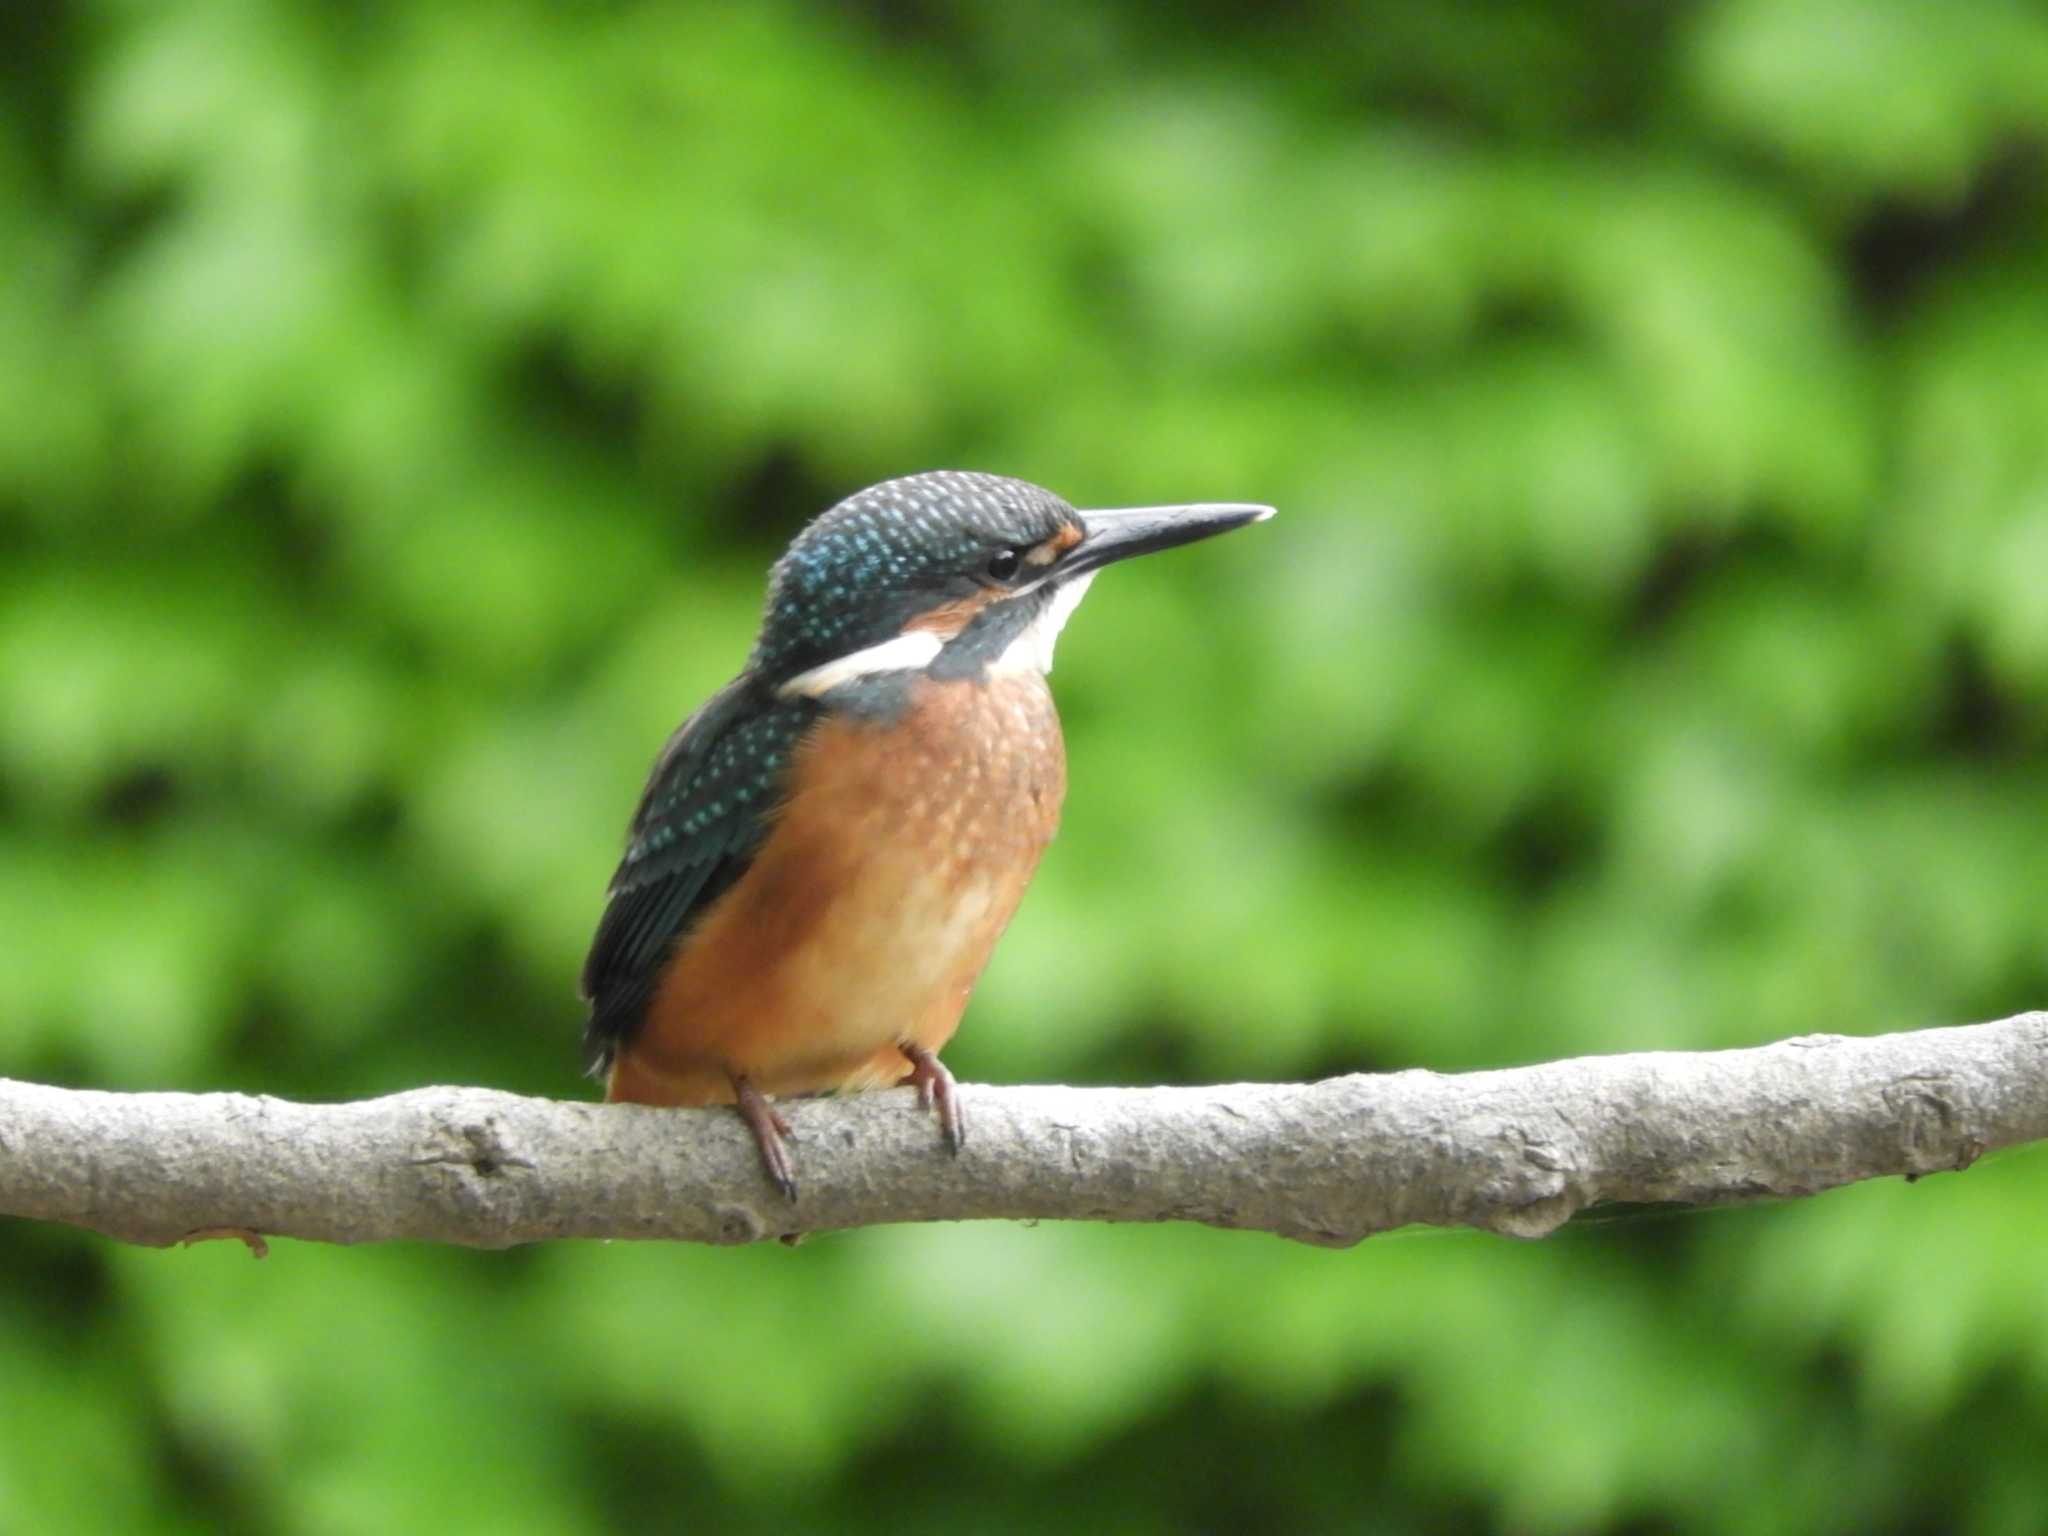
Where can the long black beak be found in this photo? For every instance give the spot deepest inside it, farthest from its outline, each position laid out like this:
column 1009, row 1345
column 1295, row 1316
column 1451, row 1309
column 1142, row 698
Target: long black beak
column 1140, row 530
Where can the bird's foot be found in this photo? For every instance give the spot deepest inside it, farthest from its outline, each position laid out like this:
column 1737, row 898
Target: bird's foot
column 769, row 1128
column 935, row 1086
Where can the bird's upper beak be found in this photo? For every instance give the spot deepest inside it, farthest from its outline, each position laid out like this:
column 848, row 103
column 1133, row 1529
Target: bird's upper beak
column 1128, row 531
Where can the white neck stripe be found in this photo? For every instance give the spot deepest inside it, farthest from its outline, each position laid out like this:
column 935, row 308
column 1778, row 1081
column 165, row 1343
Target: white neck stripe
column 908, row 652
column 915, row 649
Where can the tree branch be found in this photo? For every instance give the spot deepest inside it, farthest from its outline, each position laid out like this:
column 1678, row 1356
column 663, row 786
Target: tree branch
column 1515, row 1152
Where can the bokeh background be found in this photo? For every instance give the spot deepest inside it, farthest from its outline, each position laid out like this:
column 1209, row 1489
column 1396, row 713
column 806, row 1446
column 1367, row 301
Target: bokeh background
column 400, row 404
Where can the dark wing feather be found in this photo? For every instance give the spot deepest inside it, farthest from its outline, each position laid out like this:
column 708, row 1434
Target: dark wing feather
column 700, row 820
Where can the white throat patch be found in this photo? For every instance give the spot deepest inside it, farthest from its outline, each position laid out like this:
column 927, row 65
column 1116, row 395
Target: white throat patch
column 1032, row 650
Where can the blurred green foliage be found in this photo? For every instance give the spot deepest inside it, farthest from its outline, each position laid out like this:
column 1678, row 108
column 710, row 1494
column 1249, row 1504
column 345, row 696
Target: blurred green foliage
column 400, row 404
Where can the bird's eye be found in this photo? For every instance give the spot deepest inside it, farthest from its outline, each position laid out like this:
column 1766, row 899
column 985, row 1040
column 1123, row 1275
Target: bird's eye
column 1003, row 565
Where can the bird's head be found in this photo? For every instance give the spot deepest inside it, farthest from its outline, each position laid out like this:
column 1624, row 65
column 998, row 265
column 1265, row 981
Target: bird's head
column 950, row 572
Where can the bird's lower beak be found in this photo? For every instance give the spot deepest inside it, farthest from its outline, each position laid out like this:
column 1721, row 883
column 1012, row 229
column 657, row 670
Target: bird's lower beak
column 1128, row 531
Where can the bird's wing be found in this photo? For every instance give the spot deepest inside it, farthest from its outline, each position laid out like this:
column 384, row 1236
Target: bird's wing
column 701, row 818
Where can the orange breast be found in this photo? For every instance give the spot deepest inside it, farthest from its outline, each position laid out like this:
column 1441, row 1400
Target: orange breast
column 868, row 914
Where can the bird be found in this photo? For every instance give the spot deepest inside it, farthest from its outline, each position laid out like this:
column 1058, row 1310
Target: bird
column 826, row 852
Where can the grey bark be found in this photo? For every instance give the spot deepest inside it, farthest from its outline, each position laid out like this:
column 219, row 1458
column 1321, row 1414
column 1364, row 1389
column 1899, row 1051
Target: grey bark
column 1516, row 1152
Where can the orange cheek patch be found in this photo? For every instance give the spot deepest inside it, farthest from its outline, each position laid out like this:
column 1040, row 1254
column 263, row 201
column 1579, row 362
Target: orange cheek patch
column 1049, row 551
column 949, row 619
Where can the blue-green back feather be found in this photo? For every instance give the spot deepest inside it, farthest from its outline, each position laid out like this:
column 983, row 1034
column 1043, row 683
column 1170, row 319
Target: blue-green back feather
column 700, row 821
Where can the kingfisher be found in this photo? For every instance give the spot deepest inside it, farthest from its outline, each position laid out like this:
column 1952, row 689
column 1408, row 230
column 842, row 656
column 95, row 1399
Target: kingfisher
column 828, row 850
